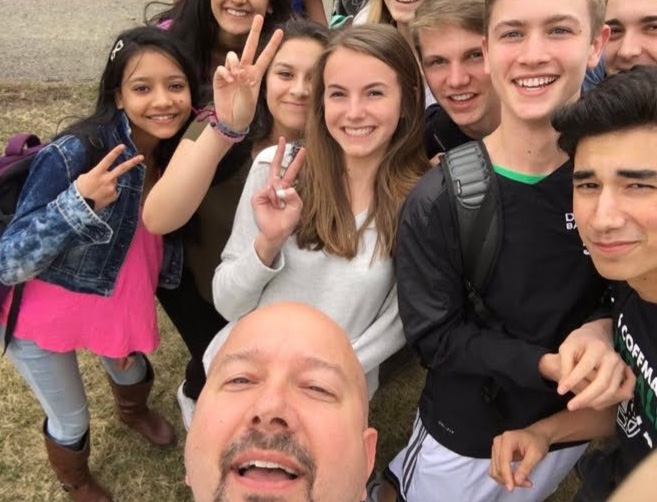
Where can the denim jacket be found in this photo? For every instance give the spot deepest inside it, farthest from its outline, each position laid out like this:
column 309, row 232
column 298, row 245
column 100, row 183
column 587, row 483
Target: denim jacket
column 55, row 235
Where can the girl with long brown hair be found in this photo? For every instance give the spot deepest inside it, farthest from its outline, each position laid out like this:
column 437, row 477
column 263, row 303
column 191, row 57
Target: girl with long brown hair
column 327, row 238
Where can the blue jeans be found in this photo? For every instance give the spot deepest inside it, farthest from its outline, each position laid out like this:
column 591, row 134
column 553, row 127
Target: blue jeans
column 56, row 382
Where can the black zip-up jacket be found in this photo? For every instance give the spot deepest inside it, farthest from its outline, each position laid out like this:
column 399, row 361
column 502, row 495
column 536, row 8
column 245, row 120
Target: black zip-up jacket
column 482, row 381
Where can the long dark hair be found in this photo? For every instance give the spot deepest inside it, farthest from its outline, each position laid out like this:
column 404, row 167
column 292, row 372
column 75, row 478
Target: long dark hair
column 621, row 102
column 126, row 45
column 293, row 29
column 194, row 24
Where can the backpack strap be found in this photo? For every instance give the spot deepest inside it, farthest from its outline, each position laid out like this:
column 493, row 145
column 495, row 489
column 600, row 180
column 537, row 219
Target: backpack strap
column 18, row 144
column 477, row 206
column 95, row 151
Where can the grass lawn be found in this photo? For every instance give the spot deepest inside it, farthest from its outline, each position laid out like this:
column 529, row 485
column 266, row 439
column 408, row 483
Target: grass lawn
column 132, row 470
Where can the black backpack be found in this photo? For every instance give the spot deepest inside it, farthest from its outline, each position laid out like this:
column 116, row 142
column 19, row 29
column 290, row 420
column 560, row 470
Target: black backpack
column 477, row 207
column 14, row 169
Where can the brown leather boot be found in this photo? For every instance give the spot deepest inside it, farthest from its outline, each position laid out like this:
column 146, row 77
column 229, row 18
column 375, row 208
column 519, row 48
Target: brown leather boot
column 130, row 401
column 72, row 470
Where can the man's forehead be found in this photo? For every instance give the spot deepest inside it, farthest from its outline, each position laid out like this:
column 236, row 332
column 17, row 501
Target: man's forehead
column 631, row 10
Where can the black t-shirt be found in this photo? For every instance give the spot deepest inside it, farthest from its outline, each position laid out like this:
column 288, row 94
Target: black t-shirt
column 483, row 380
column 635, row 339
column 440, row 132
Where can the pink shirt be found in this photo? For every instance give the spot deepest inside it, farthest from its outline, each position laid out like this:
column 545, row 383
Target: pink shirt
column 60, row 320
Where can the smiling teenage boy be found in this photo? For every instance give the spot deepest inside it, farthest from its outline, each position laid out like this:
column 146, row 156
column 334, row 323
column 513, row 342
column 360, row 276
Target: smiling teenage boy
column 632, row 41
column 447, row 37
column 484, row 376
column 612, row 134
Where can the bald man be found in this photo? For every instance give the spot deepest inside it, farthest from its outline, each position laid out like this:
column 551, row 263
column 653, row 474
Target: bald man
column 283, row 415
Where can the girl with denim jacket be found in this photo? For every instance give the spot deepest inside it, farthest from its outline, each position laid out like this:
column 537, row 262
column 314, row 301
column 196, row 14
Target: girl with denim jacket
column 89, row 265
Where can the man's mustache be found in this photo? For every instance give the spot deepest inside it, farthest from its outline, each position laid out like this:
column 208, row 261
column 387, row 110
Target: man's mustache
column 282, row 443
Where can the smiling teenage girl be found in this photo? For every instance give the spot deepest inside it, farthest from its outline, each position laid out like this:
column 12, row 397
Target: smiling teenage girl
column 204, row 180
column 328, row 241
column 212, row 28
column 89, row 265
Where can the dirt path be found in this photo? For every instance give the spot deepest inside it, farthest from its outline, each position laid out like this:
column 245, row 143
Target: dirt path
column 60, row 40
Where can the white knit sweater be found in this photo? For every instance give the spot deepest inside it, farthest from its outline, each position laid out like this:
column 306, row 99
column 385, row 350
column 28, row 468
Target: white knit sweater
column 358, row 294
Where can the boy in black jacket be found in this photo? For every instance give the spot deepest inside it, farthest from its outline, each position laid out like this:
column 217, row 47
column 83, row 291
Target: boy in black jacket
column 484, row 378
column 612, row 134
column 447, row 37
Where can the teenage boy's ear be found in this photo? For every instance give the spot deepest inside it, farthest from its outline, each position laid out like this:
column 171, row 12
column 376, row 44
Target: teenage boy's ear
column 598, row 45
column 484, row 52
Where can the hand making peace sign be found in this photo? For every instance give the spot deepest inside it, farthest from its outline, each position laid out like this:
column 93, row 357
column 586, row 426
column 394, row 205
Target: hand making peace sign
column 99, row 184
column 277, row 207
column 237, row 84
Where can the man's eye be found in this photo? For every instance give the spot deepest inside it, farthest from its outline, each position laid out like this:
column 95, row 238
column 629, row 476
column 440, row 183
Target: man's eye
column 320, row 391
column 586, row 186
column 435, row 62
column 640, row 186
column 511, row 35
column 560, row 30
column 616, row 32
column 239, row 381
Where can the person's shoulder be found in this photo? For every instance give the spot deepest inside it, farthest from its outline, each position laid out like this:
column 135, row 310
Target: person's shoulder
column 68, row 149
column 431, row 188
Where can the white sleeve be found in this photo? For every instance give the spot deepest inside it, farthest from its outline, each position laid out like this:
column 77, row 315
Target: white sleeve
column 240, row 278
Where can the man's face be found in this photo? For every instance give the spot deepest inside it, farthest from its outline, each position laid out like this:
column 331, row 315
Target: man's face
column 615, row 203
column 633, row 39
column 453, row 65
column 537, row 54
column 282, row 416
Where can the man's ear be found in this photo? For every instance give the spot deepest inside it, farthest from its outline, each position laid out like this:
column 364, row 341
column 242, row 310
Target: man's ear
column 370, row 436
column 597, row 46
column 484, row 51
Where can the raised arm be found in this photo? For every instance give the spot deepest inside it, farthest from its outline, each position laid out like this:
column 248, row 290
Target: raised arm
column 177, row 195
column 268, row 212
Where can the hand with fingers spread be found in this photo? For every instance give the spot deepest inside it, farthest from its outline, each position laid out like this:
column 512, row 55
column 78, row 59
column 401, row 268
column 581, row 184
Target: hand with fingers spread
column 236, row 84
column 99, row 184
column 523, row 447
column 277, row 207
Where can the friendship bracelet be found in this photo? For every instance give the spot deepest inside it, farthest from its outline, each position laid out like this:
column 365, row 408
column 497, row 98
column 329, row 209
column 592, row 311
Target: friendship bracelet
column 228, row 133
column 221, row 128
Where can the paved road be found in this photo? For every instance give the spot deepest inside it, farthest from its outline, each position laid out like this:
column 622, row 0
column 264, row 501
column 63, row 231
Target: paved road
column 60, row 40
